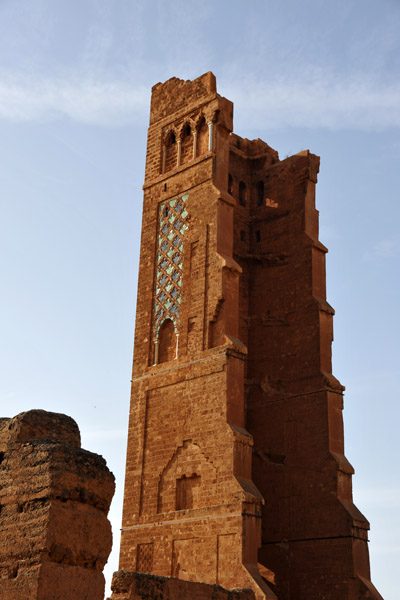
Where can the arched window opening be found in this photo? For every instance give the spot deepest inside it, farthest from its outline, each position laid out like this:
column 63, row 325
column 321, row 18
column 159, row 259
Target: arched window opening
column 260, row 193
column 242, row 193
column 202, row 138
column 187, row 144
column 166, row 342
column 230, row 183
column 185, row 491
column 170, row 152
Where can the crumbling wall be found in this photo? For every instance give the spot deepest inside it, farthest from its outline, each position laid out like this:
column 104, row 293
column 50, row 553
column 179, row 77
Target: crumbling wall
column 55, row 537
column 129, row 585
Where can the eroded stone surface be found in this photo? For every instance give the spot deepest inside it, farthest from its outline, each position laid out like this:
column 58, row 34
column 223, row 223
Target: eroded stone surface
column 54, row 497
column 39, row 424
column 128, row 585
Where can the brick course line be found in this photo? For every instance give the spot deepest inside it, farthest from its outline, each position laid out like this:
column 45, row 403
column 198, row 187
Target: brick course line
column 173, row 521
column 182, row 366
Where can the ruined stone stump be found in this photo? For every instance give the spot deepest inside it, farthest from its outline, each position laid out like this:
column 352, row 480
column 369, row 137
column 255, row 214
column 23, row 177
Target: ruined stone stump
column 55, row 537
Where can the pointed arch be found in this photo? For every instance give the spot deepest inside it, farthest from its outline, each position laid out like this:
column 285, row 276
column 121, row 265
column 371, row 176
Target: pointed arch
column 230, row 183
column 242, row 193
column 166, row 342
column 187, row 143
column 170, row 151
column 202, row 137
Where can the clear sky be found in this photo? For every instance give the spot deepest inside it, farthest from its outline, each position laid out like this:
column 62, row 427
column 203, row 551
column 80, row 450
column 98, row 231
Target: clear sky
column 75, row 81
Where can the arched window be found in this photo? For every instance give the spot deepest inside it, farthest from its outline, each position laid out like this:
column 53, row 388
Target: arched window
column 186, row 491
column 230, row 183
column 170, row 152
column 166, row 342
column 187, row 144
column 242, row 193
column 202, row 137
column 260, row 193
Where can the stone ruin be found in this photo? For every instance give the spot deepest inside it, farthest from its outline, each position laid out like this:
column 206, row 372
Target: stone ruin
column 54, row 500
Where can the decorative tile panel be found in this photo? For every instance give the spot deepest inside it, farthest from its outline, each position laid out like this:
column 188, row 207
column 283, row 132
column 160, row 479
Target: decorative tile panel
column 172, row 226
column 144, row 560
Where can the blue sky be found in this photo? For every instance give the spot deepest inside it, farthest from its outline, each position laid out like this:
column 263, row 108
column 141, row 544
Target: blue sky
column 75, row 82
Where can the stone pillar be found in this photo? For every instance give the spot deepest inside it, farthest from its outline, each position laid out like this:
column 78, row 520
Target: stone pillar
column 195, row 143
column 210, row 135
column 156, row 346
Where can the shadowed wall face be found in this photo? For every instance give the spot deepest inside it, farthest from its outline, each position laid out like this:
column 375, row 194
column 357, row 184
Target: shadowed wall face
column 54, row 498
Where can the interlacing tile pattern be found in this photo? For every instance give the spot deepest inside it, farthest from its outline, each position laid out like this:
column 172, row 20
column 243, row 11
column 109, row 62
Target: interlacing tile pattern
column 172, row 226
column 144, row 560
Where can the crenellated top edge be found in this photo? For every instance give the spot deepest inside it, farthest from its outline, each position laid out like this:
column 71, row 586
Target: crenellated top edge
column 170, row 96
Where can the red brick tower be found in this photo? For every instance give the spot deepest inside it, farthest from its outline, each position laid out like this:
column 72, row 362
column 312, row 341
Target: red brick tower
column 232, row 343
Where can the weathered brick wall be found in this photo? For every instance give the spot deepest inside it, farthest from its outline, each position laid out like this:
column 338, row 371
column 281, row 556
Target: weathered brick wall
column 128, row 585
column 188, row 493
column 233, row 349
column 54, row 498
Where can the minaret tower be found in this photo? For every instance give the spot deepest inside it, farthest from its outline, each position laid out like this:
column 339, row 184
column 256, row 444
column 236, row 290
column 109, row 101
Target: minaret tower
column 191, row 509
column 235, row 469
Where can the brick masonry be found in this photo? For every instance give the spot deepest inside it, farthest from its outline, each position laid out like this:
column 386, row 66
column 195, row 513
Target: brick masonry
column 235, row 470
column 129, row 585
column 54, row 498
